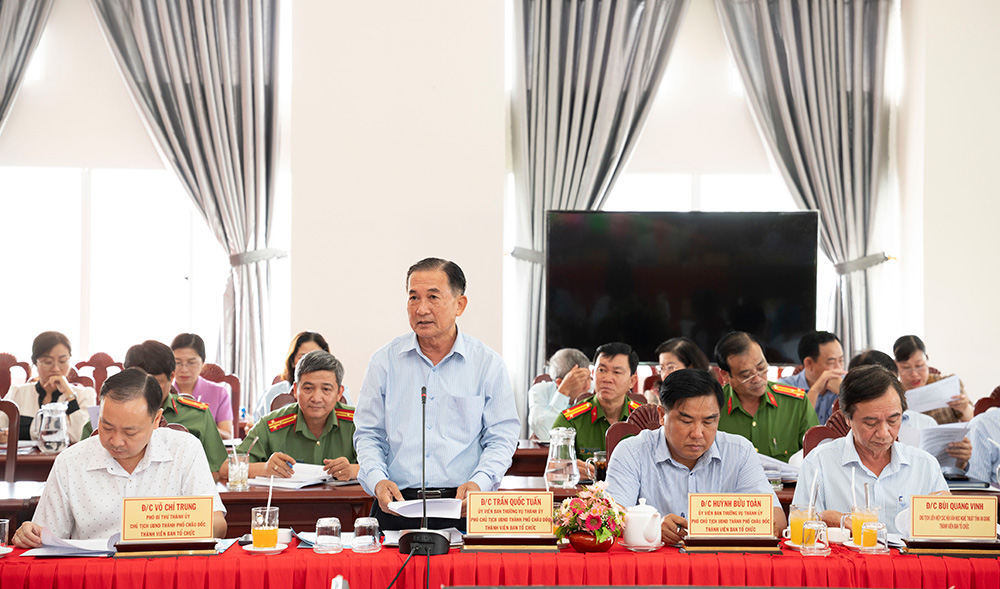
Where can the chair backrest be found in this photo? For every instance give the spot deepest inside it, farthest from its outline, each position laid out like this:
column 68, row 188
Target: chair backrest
column 178, row 427
column 282, row 400
column 100, row 362
column 815, row 435
column 544, row 377
column 277, row 379
column 7, row 362
column 83, row 381
column 651, row 382
column 645, row 417
column 638, row 398
column 986, row 402
column 932, row 370
column 215, row 373
column 13, row 428
column 837, row 422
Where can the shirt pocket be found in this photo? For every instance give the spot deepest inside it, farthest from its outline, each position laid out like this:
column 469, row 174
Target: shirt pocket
column 461, row 418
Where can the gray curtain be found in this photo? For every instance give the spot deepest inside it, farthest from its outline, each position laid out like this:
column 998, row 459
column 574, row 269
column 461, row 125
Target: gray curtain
column 814, row 72
column 202, row 75
column 586, row 76
column 21, row 25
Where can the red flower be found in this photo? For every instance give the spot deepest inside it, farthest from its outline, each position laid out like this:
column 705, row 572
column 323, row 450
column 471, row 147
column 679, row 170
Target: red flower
column 593, row 523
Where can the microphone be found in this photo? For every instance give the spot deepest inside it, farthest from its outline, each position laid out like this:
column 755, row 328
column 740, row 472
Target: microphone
column 423, row 540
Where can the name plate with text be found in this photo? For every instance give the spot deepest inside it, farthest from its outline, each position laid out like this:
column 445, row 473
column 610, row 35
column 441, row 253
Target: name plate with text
column 730, row 514
column 967, row 517
column 166, row 518
column 510, row 513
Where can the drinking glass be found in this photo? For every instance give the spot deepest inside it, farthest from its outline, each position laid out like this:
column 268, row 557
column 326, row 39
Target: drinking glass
column 874, row 538
column 858, row 516
column 599, row 462
column 328, row 536
column 798, row 515
column 773, row 474
column 815, row 540
column 239, row 469
column 3, row 532
column 264, row 527
column 366, row 536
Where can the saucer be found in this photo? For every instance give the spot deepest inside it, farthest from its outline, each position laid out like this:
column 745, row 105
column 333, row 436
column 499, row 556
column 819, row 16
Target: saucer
column 795, row 546
column 6, row 550
column 276, row 549
column 643, row 548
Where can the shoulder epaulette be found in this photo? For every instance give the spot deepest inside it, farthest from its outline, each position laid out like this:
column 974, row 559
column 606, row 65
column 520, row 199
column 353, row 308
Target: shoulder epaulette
column 789, row 390
column 632, row 405
column 345, row 414
column 281, row 422
column 193, row 403
column 577, row 410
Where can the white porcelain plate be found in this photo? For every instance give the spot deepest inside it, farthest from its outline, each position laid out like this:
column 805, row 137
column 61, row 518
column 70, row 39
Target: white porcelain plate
column 275, row 550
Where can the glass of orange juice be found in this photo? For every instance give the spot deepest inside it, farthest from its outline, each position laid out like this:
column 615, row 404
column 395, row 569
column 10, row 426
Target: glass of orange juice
column 858, row 517
column 874, row 538
column 264, row 526
column 797, row 516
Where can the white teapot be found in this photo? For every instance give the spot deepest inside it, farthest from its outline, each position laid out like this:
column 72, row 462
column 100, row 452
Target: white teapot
column 642, row 525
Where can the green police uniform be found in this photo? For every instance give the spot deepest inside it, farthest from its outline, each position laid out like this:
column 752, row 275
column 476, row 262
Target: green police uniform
column 591, row 425
column 198, row 420
column 285, row 430
column 783, row 417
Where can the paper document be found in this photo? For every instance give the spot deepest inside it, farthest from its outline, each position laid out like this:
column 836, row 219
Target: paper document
column 308, row 539
column 95, row 416
column 447, row 508
column 53, row 546
column 934, row 395
column 303, row 475
column 392, row 536
column 788, row 472
column 935, row 440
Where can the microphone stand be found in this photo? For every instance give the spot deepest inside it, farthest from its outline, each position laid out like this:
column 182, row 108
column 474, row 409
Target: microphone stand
column 423, row 540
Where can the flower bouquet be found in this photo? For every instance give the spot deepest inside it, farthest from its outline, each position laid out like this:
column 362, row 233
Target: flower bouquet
column 591, row 520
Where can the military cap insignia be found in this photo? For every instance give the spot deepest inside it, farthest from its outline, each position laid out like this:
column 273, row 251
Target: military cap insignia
column 192, row 403
column 345, row 414
column 281, row 422
column 789, row 391
column 577, row 410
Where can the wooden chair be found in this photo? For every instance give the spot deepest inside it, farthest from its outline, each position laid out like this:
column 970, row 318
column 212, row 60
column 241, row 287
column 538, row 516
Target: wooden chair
column 986, row 402
column 13, row 428
column 83, row 381
column 277, row 379
column 645, row 417
column 282, row 400
column 100, row 362
column 178, row 427
column 7, row 362
column 932, row 370
column 638, row 398
column 215, row 373
column 837, row 422
column 835, row 427
column 541, row 378
column 651, row 382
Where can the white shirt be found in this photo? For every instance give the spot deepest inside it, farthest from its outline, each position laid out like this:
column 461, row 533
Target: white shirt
column 26, row 397
column 985, row 455
column 83, row 495
column 911, row 471
column 545, row 403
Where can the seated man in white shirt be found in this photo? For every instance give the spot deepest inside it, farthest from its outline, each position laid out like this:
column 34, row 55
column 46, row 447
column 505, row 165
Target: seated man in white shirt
column 873, row 400
column 130, row 457
column 570, row 372
column 688, row 454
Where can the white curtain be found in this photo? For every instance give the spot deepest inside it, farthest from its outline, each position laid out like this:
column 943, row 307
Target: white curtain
column 21, row 25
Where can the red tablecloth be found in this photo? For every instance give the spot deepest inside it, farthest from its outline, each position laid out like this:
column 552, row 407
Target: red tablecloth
column 237, row 569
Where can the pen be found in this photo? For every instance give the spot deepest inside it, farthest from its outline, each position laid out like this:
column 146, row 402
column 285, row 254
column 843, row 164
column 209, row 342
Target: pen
column 774, row 442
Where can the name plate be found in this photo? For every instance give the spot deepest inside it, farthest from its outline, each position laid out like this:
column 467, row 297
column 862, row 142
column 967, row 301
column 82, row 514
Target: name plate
column 964, row 517
column 730, row 514
column 509, row 513
column 166, row 518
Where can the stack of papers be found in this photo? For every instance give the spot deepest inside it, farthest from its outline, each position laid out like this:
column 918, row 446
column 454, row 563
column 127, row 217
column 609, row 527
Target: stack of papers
column 935, row 440
column 934, row 395
column 447, row 508
column 53, row 546
column 303, row 475
column 789, row 473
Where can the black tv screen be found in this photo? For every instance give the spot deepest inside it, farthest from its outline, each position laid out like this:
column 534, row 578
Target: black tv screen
column 642, row 278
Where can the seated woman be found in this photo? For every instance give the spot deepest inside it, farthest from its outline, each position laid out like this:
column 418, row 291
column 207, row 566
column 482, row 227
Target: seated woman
column 302, row 344
column 50, row 354
column 189, row 354
column 911, row 359
column 674, row 354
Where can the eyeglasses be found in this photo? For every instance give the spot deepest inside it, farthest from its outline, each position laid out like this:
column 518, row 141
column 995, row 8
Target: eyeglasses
column 668, row 368
column 761, row 372
column 49, row 361
column 911, row 369
column 190, row 364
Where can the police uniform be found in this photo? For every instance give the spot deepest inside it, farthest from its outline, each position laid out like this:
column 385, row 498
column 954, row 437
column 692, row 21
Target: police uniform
column 783, row 417
column 591, row 424
column 285, row 430
column 198, row 420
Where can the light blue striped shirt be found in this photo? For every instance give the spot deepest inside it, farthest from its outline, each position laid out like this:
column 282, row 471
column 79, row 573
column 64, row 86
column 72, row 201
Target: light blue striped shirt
column 910, row 471
column 472, row 423
column 641, row 466
column 985, row 455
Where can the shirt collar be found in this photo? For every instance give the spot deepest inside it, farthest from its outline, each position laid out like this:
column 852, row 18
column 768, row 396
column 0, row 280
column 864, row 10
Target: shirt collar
column 459, row 347
column 733, row 400
column 301, row 427
column 661, row 453
column 156, row 451
column 850, row 456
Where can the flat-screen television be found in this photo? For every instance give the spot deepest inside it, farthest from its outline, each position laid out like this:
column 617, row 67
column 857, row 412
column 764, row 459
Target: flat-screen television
column 642, row 278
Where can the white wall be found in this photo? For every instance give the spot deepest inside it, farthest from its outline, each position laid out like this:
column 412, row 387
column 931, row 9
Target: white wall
column 961, row 203
column 398, row 153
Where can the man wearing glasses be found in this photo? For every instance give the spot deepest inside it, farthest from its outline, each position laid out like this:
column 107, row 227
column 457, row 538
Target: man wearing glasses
column 774, row 417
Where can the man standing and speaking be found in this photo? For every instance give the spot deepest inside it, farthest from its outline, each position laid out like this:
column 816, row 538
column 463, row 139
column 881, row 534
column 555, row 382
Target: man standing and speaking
column 472, row 425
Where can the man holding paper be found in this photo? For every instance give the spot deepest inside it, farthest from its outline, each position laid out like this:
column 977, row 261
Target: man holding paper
column 316, row 429
column 872, row 400
column 686, row 455
column 130, row 457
